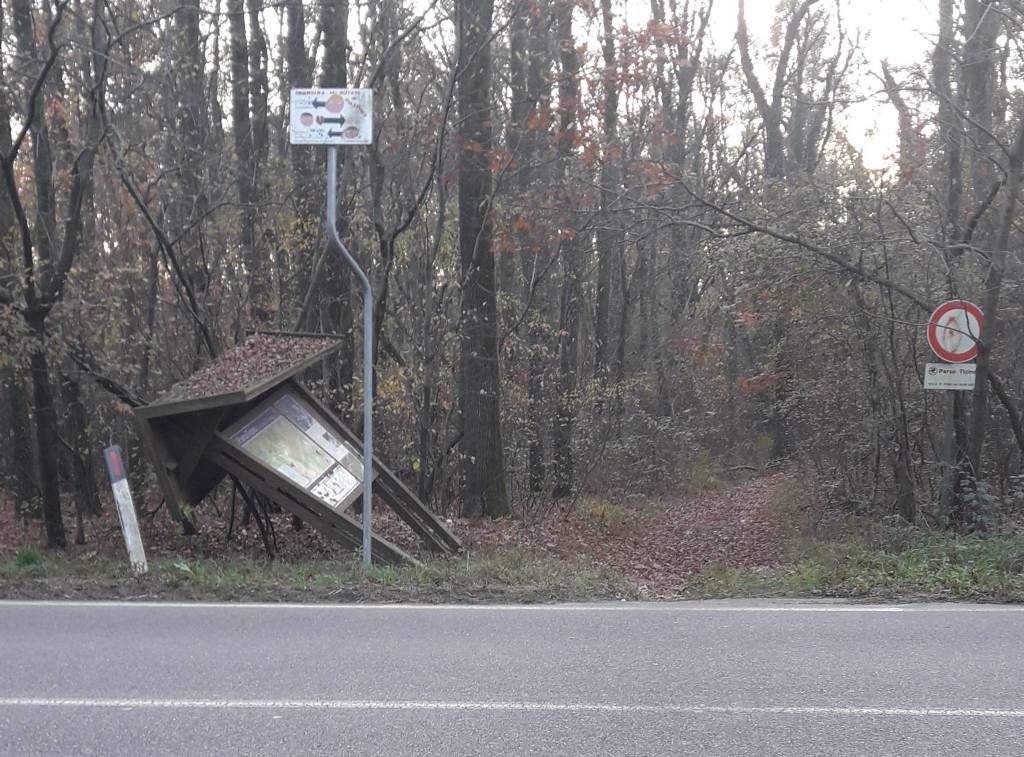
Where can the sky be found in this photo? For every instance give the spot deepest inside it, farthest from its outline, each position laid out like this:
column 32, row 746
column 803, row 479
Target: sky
column 900, row 31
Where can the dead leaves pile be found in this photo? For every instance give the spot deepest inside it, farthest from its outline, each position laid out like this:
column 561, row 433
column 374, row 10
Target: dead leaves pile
column 660, row 544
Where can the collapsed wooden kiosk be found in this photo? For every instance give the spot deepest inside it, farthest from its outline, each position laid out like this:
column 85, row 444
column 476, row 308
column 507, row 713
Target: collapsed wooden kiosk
column 246, row 414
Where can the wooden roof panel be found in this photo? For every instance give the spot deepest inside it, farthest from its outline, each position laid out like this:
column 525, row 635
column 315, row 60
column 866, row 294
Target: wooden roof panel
column 248, row 369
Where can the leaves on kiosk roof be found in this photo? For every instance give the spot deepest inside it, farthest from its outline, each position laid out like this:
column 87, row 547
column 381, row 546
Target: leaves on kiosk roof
column 257, row 359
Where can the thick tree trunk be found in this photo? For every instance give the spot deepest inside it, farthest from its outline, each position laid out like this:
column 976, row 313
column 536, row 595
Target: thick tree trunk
column 47, row 443
column 245, row 155
column 907, row 158
column 19, row 433
column 950, row 121
column 564, row 469
column 76, row 426
column 43, row 282
column 336, row 290
column 191, row 203
column 993, row 288
column 776, row 161
column 609, row 236
column 981, row 21
column 22, row 446
column 259, row 83
column 305, row 232
column 483, row 463
column 528, row 84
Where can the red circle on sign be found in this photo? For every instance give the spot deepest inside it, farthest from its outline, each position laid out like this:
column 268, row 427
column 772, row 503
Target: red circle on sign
column 953, row 331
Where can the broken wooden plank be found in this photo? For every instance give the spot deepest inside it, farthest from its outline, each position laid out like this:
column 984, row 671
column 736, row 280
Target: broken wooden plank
column 395, row 493
column 297, row 501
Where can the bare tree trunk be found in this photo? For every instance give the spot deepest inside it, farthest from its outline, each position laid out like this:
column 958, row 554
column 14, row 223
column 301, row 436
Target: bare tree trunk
column 775, row 159
column 259, row 84
column 981, row 27
column 569, row 320
column 336, row 289
column 483, row 463
column 47, row 440
column 299, row 73
column 907, row 157
column 44, row 283
column 193, row 125
column 992, row 288
column 44, row 414
column 528, row 83
column 246, row 168
column 609, row 236
column 12, row 379
column 76, row 424
column 950, row 121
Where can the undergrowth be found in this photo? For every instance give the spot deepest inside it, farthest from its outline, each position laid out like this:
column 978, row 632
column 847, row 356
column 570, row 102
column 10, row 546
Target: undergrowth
column 501, row 574
column 960, row 567
column 858, row 558
column 885, row 563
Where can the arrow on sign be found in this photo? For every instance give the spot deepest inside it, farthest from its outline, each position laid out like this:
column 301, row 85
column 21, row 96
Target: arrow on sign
column 339, row 120
column 333, row 133
column 319, row 103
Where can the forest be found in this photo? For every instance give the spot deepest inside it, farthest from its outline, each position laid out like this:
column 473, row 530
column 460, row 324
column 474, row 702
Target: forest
column 612, row 248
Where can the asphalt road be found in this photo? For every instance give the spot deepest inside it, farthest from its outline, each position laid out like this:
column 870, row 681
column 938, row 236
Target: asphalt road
column 626, row 679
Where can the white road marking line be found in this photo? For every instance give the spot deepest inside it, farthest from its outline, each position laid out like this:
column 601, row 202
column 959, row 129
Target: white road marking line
column 579, row 707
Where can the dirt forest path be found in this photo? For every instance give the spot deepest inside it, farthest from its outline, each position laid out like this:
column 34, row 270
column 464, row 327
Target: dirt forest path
column 662, row 542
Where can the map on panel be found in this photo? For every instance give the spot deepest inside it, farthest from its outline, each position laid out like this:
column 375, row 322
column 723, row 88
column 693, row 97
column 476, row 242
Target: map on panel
column 288, row 437
column 273, row 439
column 315, row 430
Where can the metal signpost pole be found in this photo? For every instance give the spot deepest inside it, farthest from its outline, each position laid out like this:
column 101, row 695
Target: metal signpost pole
column 948, row 470
column 952, row 333
column 336, row 243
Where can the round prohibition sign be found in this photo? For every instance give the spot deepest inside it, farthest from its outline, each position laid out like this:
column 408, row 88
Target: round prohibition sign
column 953, row 331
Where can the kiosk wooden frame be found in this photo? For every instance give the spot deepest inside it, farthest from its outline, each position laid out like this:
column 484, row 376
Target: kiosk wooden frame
column 190, row 433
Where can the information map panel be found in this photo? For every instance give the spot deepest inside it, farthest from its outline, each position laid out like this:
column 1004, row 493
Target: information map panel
column 290, row 437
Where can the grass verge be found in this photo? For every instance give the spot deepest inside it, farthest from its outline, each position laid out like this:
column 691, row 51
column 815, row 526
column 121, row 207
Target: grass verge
column 501, row 576
column 911, row 566
column 870, row 562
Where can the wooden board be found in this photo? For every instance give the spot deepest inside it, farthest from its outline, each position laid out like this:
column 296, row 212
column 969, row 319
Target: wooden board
column 297, row 501
column 391, row 489
column 245, row 390
column 188, row 439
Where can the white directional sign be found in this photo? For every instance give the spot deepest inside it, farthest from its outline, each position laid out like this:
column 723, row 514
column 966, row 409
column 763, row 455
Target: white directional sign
column 946, row 376
column 331, row 117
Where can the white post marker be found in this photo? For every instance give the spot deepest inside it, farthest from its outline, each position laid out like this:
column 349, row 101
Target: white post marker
column 344, row 117
column 125, row 509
